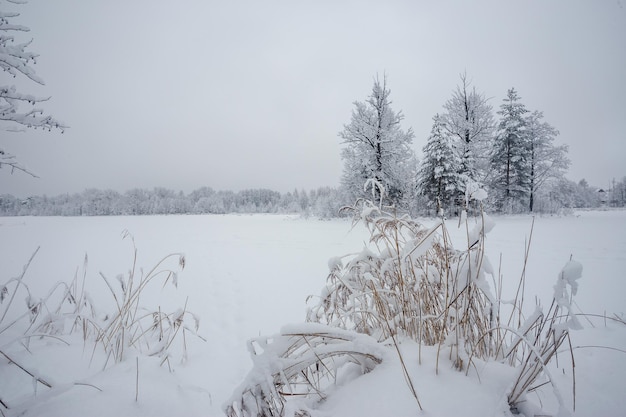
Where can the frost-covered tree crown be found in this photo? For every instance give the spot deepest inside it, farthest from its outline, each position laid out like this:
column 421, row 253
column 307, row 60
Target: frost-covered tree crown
column 524, row 156
column 469, row 119
column 378, row 149
column 547, row 161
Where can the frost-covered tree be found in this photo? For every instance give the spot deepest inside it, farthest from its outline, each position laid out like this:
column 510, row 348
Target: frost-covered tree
column 469, row 120
column 438, row 178
column 546, row 160
column 559, row 194
column 18, row 109
column 509, row 159
column 377, row 148
column 326, row 202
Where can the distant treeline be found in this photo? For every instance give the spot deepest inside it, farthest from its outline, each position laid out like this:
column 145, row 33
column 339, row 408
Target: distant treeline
column 322, row 202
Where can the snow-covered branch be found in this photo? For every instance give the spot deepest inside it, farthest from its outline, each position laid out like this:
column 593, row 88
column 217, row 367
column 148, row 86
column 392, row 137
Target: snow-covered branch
column 15, row 59
column 10, row 161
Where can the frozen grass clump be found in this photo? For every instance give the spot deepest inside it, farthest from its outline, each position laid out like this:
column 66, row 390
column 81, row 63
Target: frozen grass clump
column 414, row 285
column 538, row 341
column 150, row 332
column 409, row 284
column 67, row 310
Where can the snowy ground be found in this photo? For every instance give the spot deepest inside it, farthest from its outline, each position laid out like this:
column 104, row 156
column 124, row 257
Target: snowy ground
column 247, row 276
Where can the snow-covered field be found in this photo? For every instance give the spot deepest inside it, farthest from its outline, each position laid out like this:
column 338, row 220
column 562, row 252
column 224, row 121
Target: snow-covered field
column 247, row 276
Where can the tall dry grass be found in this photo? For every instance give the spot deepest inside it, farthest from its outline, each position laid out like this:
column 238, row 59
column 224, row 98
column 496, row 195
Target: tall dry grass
column 414, row 285
column 68, row 308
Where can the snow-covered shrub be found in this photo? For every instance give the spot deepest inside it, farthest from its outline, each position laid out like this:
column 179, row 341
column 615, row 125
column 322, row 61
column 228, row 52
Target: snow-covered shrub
column 413, row 285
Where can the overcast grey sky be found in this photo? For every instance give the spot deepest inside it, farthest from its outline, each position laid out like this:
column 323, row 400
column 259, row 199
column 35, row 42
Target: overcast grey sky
column 248, row 94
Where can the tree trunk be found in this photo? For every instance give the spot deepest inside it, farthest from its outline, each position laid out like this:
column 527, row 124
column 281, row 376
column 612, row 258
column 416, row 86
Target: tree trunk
column 532, row 176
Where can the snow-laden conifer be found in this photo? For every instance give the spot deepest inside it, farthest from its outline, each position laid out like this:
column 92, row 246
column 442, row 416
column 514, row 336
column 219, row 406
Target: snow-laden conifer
column 439, row 177
column 509, row 159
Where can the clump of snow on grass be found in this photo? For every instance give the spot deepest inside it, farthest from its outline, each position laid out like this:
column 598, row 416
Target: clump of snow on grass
column 568, row 277
column 473, row 191
column 571, row 272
